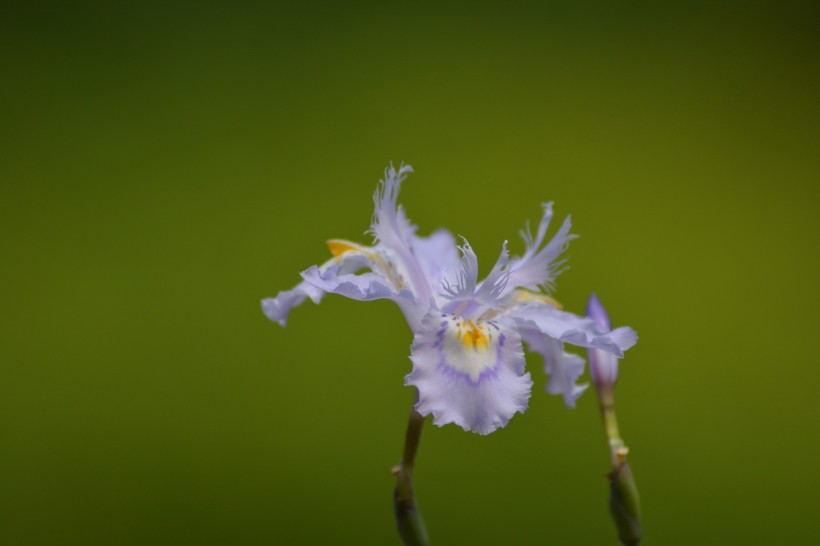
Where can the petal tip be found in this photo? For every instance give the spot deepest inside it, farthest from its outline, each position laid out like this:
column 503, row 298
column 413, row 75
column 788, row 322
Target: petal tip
column 596, row 311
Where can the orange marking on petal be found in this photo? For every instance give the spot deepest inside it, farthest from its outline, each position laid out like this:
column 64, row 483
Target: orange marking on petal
column 338, row 246
column 474, row 337
column 526, row 295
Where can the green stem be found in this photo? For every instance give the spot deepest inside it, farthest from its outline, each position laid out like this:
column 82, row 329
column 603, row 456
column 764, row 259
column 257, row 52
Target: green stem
column 624, row 503
column 616, row 443
column 408, row 518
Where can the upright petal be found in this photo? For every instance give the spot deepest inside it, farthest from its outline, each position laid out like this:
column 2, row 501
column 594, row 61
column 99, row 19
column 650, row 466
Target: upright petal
column 563, row 368
column 596, row 311
column 538, row 267
column 470, row 373
column 492, row 287
column 572, row 329
column 393, row 231
column 466, row 279
column 438, row 258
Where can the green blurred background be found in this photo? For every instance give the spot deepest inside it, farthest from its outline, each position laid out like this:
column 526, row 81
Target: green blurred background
column 166, row 166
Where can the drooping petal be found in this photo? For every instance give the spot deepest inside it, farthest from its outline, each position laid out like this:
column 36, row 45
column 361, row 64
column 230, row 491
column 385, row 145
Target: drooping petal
column 573, row 329
column 470, row 373
column 393, row 231
column 563, row 368
column 538, row 267
column 278, row 308
column 603, row 366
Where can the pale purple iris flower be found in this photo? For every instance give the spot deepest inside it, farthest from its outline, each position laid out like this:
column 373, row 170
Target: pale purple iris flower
column 467, row 354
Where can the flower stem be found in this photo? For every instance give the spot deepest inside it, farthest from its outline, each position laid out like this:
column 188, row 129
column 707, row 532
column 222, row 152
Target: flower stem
column 616, row 443
column 408, row 518
column 624, row 503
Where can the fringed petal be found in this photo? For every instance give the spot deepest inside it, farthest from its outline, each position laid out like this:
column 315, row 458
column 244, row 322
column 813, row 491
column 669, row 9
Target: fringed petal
column 470, row 373
column 538, row 268
column 393, row 231
column 464, row 283
column 492, row 287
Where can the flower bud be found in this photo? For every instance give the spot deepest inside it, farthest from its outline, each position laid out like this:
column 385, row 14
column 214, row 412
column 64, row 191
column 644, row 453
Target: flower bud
column 624, row 503
column 603, row 366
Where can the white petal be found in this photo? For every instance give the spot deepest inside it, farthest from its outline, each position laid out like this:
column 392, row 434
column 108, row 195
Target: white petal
column 470, row 373
column 563, row 368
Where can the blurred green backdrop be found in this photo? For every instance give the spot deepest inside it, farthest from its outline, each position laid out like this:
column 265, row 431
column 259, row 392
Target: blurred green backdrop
column 164, row 167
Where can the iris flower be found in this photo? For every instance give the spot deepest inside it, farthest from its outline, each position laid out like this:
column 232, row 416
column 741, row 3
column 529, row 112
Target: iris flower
column 467, row 353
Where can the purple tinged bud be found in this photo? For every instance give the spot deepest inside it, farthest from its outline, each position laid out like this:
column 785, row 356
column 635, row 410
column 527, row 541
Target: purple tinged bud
column 603, row 366
column 596, row 311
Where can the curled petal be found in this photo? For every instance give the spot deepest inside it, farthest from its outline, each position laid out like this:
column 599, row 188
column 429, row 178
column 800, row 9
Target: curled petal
column 348, row 258
column 573, row 329
column 278, row 308
column 470, row 373
column 563, row 368
column 336, row 279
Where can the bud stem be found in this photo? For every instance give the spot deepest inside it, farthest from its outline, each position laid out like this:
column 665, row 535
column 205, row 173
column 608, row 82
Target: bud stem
column 408, row 518
column 616, row 444
column 623, row 501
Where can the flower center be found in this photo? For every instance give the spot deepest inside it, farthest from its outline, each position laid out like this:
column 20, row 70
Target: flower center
column 474, row 336
column 468, row 347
